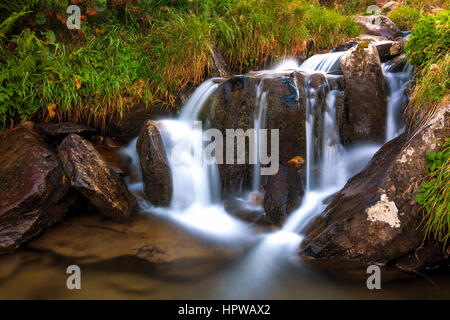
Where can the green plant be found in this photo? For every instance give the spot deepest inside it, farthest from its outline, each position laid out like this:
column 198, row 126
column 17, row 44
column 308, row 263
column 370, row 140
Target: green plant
column 131, row 51
column 434, row 195
column 404, row 17
column 429, row 38
column 432, row 87
column 426, row 5
column 428, row 49
column 20, row 87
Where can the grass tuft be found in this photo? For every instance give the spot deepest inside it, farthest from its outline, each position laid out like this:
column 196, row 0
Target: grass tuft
column 434, row 196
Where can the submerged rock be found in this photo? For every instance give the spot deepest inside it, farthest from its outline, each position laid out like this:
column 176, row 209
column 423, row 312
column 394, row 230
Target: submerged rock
column 374, row 218
column 91, row 239
column 378, row 25
column 89, row 174
column 32, row 186
column 156, row 173
column 365, row 95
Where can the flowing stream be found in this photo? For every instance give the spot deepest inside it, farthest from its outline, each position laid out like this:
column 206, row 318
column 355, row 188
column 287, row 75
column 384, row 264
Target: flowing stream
column 196, row 204
column 194, row 249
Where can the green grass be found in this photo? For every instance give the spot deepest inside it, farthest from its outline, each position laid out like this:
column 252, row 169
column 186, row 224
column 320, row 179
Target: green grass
column 404, row 17
column 428, row 49
column 434, row 196
column 147, row 53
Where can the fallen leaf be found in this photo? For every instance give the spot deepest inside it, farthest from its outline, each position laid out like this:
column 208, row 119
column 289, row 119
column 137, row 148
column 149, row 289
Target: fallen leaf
column 51, row 110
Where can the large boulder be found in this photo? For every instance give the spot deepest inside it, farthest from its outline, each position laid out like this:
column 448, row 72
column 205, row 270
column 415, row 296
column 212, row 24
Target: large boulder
column 365, row 95
column 374, row 218
column 378, row 25
column 89, row 174
column 156, row 173
column 32, row 187
column 235, row 104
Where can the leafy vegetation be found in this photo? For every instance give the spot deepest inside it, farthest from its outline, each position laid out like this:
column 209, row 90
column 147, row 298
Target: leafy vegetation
column 429, row 39
column 428, row 49
column 404, row 17
column 142, row 51
column 434, row 196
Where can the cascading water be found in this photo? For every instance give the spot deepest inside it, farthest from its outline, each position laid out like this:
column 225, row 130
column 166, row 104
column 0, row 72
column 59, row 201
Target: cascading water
column 259, row 122
column 327, row 62
column 396, row 82
column 196, row 204
column 326, row 170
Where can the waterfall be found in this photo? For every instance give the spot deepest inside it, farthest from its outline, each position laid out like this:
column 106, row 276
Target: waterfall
column 258, row 123
column 328, row 163
column 195, row 203
column 396, row 84
column 326, row 62
column 190, row 110
column 326, row 158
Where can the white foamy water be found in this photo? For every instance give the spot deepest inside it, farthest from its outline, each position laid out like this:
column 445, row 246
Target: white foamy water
column 196, row 203
column 326, row 62
column 396, row 82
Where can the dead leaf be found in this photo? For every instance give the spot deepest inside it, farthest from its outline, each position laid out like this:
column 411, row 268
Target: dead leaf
column 51, row 110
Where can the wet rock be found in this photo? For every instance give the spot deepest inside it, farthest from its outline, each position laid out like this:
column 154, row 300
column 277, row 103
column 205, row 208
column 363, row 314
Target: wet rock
column 156, row 173
column 389, row 49
column 242, row 209
column 32, row 187
column 88, row 173
column 397, row 64
column 370, row 38
column 91, row 239
column 129, row 126
column 429, row 255
column 345, row 46
column 115, row 160
column 374, row 218
column 235, row 105
column 397, row 48
column 378, row 25
column 282, row 194
column 64, row 128
column 365, row 95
